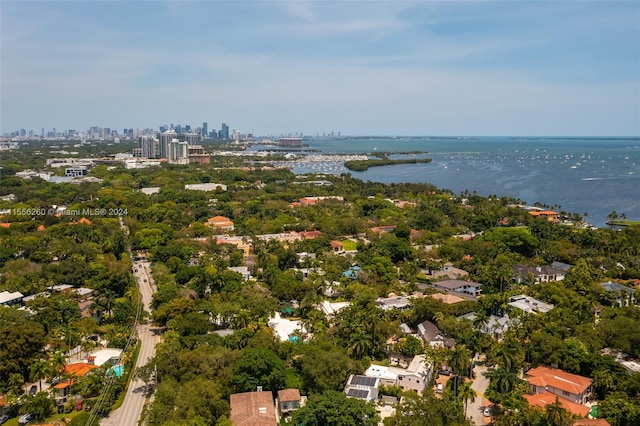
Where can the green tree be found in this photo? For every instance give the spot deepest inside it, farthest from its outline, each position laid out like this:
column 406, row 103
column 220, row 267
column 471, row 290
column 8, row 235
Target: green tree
column 258, row 367
column 38, row 371
column 557, row 415
column 466, row 394
column 427, row 410
column 39, row 405
column 334, row 408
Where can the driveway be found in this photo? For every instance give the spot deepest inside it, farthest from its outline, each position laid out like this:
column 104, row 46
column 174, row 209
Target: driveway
column 480, row 384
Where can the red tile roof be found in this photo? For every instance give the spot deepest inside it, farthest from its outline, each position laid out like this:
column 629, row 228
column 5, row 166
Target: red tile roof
column 79, row 369
column 545, row 376
column 252, row 409
column 591, row 422
column 546, row 398
column 287, row 395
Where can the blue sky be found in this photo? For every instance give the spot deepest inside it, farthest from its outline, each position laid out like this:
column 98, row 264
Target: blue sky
column 358, row 67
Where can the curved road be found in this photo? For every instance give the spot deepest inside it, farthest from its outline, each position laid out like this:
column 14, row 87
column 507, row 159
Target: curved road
column 131, row 410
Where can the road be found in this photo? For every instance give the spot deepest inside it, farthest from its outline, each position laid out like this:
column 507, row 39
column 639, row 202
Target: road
column 480, row 384
column 131, row 409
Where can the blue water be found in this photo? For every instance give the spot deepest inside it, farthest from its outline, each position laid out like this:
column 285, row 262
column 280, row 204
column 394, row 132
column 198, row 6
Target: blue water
column 117, row 370
column 582, row 175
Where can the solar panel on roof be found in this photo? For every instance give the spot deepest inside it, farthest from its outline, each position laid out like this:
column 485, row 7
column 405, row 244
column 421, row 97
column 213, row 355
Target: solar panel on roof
column 358, row 393
column 363, row 380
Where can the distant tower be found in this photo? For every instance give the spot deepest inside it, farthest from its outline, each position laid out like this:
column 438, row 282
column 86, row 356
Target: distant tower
column 224, row 132
column 205, row 129
column 165, row 140
column 193, row 138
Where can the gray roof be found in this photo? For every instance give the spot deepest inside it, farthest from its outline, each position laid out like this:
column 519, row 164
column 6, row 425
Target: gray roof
column 611, row 286
column 454, row 284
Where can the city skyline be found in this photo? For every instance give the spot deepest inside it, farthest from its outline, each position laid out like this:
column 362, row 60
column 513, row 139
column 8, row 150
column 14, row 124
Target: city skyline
column 363, row 68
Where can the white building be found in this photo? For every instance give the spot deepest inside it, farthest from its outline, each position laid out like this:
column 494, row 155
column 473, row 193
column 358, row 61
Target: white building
column 415, row 377
column 206, row 187
column 529, row 304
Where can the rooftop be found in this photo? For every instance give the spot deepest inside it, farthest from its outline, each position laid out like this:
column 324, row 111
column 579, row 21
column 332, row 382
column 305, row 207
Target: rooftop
column 529, row 304
column 252, row 409
column 546, row 398
column 559, row 379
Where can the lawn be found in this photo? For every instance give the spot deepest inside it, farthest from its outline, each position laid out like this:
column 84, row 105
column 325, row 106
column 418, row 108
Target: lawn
column 350, row 245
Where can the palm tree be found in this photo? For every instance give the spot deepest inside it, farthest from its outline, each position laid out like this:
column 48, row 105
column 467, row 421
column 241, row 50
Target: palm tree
column 361, row 344
column 466, row 394
column 603, row 381
column 503, row 380
column 556, row 415
column 481, row 319
column 507, row 355
column 38, row 371
column 459, row 360
column 57, row 362
column 15, row 382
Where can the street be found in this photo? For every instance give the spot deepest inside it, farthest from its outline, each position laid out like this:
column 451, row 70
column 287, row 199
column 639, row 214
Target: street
column 480, row 384
column 130, row 411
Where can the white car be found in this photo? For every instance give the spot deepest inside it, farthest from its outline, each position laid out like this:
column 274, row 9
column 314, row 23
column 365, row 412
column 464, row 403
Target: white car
column 439, row 388
column 487, row 412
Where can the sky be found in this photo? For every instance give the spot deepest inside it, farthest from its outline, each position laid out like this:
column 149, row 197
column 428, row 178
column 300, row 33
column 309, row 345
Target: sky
column 356, row 67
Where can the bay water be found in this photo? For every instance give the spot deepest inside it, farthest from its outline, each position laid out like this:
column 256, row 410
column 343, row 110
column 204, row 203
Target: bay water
column 581, row 175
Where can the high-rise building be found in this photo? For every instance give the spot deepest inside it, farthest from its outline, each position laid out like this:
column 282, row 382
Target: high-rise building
column 224, row 132
column 192, row 138
column 147, row 145
column 165, row 140
column 178, row 152
column 205, row 130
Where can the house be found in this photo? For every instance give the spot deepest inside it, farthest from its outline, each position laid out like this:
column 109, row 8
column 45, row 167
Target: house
column 310, row 201
column 538, row 274
column 241, row 243
column 549, row 214
column 353, row 272
column 432, row 335
column 103, row 356
column 310, row 235
column 11, row 299
column 448, row 271
column 362, row 387
column 206, row 187
column 242, row 270
column 458, row 286
column 252, row 409
column 529, row 304
column 415, row 377
column 329, row 309
column 289, row 400
column 395, row 302
column 78, row 369
column 380, row 230
column 285, row 328
column 621, row 294
column 543, row 399
column 337, row 246
column 220, row 222
column 591, row 422
column 495, row 326
column 568, row 386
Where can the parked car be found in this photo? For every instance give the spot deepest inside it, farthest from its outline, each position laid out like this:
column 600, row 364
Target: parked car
column 3, row 419
column 33, row 390
column 487, row 412
column 439, row 388
column 24, row 419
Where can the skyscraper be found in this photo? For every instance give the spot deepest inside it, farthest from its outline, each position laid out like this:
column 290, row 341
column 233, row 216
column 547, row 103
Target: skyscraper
column 165, row 140
column 205, row 130
column 147, row 144
column 192, row 138
column 224, row 132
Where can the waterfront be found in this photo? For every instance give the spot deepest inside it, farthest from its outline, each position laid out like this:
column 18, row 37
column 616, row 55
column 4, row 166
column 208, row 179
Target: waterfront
column 583, row 175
